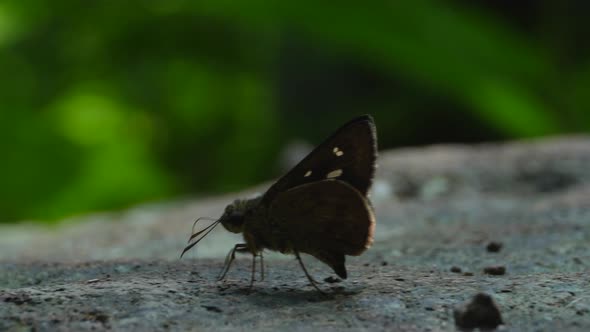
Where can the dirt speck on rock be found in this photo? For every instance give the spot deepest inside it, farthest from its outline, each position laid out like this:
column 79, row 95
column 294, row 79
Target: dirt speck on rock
column 480, row 312
column 332, row 280
column 498, row 270
column 96, row 316
column 18, row 299
column 456, row 269
column 212, row 308
column 494, row 246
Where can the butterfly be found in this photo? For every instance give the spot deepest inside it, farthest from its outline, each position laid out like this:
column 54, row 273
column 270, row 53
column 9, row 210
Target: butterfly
column 320, row 207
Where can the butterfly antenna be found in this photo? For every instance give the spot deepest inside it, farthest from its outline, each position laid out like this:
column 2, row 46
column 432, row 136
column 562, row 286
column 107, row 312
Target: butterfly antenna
column 207, row 229
column 193, row 234
column 201, row 218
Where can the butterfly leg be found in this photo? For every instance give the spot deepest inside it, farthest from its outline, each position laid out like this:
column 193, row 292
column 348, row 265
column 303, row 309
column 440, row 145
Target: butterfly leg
column 254, row 267
column 231, row 255
column 253, row 271
column 261, row 266
column 311, row 280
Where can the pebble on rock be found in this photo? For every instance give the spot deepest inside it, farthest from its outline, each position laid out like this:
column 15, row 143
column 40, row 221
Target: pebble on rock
column 456, row 269
column 494, row 246
column 495, row 270
column 480, row 312
column 332, row 280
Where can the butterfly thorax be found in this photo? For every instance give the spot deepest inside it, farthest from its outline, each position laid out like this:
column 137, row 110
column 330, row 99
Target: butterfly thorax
column 250, row 217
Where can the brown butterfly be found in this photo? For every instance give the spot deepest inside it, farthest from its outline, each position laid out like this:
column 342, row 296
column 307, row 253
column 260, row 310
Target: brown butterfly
column 320, row 207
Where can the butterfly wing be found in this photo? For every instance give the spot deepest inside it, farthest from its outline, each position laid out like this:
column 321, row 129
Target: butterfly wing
column 326, row 219
column 348, row 155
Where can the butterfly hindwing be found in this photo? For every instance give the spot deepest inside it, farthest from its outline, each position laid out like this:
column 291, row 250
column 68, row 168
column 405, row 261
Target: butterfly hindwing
column 329, row 218
column 348, row 155
column 333, row 260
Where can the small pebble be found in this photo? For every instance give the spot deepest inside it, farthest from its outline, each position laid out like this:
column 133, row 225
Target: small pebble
column 494, row 246
column 332, row 280
column 468, row 274
column 495, row 270
column 456, row 269
column 212, row 308
column 480, row 312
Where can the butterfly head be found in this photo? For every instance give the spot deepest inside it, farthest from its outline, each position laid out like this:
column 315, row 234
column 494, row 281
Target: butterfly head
column 232, row 219
column 233, row 216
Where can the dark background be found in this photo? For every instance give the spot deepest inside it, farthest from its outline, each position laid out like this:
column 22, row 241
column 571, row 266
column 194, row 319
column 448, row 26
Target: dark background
column 107, row 104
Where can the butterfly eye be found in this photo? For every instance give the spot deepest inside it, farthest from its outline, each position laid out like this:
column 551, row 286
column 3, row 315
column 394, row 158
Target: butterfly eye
column 235, row 218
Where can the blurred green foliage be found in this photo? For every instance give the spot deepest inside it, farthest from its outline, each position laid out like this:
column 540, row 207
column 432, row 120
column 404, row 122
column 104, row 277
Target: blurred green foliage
column 107, row 104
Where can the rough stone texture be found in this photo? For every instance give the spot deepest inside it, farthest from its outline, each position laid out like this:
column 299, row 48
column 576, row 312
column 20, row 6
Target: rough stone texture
column 438, row 207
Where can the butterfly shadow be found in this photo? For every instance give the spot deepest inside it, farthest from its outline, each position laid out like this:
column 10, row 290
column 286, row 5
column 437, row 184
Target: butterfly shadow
column 270, row 297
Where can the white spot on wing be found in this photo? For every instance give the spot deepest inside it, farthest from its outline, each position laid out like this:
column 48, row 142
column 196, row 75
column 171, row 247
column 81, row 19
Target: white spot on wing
column 307, row 174
column 334, row 174
column 338, row 152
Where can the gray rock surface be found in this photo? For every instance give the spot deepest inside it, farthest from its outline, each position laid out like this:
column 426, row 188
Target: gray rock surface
column 437, row 207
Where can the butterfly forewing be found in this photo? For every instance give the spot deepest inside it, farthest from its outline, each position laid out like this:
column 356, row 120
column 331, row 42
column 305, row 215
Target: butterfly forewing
column 348, row 155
